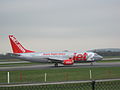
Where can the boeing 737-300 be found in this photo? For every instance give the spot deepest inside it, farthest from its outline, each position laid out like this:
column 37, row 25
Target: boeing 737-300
column 65, row 58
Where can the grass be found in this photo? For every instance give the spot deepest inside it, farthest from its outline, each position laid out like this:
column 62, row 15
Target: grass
column 18, row 64
column 111, row 56
column 111, row 85
column 9, row 60
column 79, row 86
column 60, row 74
column 106, row 61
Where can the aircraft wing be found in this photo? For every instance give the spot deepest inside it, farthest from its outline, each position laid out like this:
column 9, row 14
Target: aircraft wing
column 65, row 61
column 57, row 59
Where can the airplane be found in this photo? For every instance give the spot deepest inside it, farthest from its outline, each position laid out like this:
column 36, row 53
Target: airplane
column 65, row 58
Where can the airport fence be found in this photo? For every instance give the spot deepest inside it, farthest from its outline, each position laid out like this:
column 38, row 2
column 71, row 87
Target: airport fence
column 37, row 76
column 107, row 85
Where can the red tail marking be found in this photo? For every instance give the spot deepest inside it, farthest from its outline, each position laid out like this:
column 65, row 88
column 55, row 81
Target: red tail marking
column 16, row 46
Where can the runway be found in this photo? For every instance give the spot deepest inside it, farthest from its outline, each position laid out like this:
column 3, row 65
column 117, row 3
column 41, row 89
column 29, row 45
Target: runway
column 51, row 66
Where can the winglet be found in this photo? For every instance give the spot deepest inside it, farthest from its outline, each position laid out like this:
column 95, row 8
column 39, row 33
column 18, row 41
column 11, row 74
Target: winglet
column 17, row 47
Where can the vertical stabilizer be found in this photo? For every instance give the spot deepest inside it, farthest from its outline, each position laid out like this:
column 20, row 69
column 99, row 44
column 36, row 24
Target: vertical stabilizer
column 17, row 47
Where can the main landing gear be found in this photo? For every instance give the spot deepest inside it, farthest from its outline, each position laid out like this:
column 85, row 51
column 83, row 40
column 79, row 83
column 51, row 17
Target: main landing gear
column 56, row 64
column 91, row 64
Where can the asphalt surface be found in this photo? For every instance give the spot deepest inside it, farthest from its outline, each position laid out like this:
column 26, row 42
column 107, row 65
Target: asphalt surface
column 14, row 62
column 51, row 66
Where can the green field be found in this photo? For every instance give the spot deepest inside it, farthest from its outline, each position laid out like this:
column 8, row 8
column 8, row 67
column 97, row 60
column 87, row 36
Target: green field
column 59, row 74
column 9, row 60
column 19, row 64
column 111, row 56
column 111, row 85
column 108, row 61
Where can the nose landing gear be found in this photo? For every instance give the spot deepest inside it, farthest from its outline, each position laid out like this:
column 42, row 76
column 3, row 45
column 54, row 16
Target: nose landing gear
column 56, row 64
column 91, row 63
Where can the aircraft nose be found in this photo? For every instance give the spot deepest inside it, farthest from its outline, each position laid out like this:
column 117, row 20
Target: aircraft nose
column 98, row 57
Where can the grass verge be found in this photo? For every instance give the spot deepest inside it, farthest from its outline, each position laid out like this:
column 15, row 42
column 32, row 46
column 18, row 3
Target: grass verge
column 111, row 85
column 59, row 74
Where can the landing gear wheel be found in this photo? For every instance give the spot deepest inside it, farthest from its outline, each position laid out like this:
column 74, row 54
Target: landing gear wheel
column 56, row 64
column 91, row 64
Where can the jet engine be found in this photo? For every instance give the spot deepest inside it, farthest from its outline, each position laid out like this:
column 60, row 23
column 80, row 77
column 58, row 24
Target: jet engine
column 68, row 62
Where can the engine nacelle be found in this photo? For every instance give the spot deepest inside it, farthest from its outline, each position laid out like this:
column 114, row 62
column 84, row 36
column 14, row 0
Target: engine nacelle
column 68, row 62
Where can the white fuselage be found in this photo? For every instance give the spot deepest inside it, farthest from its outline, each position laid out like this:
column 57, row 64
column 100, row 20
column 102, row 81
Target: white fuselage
column 45, row 57
column 66, row 58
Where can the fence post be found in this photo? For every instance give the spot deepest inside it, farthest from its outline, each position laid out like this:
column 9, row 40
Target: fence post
column 90, row 74
column 66, row 76
column 45, row 77
column 8, row 77
column 20, row 75
column 93, row 85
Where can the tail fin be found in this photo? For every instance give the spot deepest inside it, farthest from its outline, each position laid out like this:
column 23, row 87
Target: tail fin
column 17, row 47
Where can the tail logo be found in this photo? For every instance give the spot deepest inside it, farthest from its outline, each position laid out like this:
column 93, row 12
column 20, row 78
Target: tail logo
column 17, row 43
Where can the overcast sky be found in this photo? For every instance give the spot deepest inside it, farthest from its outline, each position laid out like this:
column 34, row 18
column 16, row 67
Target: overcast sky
column 57, row 25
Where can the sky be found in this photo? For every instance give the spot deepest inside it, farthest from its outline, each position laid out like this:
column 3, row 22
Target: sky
column 58, row 25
